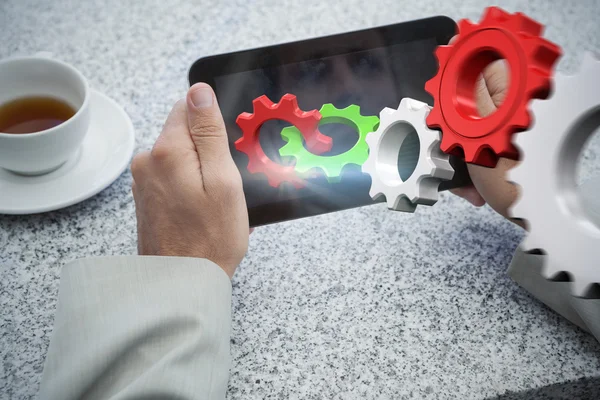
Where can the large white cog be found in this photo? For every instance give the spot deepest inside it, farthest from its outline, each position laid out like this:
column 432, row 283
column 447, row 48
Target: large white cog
column 556, row 217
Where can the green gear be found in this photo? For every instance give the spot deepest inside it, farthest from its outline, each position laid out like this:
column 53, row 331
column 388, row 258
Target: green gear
column 331, row 165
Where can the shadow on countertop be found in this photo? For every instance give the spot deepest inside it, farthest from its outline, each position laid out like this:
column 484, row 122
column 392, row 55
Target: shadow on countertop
column 581, row 389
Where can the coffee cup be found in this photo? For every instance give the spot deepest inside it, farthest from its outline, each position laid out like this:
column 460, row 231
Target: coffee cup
column 43, row 151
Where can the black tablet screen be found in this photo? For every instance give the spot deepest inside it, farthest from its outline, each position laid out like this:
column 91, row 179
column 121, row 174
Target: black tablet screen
column 371, row 69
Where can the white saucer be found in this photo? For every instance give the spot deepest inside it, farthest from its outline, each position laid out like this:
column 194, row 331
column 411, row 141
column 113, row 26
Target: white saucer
column 104, row 155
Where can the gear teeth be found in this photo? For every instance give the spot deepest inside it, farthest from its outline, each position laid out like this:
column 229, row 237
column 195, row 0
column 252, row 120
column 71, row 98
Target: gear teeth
column 387, row 112
column 486, row 157
column 395, row 203
column 432, row 86
column 414, row 105
column 244, row 120
column 289, row 100
column 333, row 173
column 287, row 151
column 262, row 104
column 493, row 15
column 311, row 114
column 293, row 139
column 242, row 144
column 376, row 191
column 542, row 53
column 286, row 138
column 421, row 112
column 538, row 85
column 368, row 167
column 373, row 121
column 289, row 104
column 433, row 119
column 443, row 54
column 514, row 211
column 275, row 182
column 252, row 167
column 320, row 143
column 353, row 108
column 335, row 178
column 580, row 288
column 371, row 140
column 505, row 149
column 406, row 103
column 547, row 271
column 244, row 116
column 386, row 115
column 521, row 23
column 327, row 108
column 471, row 152
column 447, row 144
column 465, row 27
column 515, row 175
column 522, row 120
column 440, row 163
column 551, row 270
column 403, row 204
column 529, row 243
column 444, row 171
column 423, row 193
column 283, row 175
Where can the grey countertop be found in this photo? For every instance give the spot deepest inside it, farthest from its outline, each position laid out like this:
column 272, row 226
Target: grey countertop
column 359, row 304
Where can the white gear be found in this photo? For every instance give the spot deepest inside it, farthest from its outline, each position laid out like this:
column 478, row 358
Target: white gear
column 432, row 167
column 548, row 201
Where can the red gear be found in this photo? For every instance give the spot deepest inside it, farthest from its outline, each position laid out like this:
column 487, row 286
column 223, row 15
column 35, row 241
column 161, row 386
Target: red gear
column 287, row 110
column 530, row 58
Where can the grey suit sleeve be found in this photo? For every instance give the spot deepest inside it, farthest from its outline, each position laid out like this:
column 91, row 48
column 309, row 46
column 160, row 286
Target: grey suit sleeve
column 140, row 328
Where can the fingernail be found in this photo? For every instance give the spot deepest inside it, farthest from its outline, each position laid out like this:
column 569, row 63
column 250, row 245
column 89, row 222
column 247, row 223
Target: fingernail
column 202, row 97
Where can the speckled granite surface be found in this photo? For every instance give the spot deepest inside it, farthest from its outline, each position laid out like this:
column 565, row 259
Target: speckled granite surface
column 360, row 304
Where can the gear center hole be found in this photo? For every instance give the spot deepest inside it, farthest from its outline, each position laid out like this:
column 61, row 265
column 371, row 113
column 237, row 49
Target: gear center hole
column 408, row 156
column 271, row 141
column 344, row 137
column 483, row 85
column 587, row 168
column 399, row 153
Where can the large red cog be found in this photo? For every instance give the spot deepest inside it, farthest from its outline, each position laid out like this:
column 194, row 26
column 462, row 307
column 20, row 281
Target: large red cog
column 530, row 59
column 287, row 110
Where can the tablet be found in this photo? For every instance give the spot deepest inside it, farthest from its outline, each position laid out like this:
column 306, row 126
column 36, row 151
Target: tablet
column 372, row 69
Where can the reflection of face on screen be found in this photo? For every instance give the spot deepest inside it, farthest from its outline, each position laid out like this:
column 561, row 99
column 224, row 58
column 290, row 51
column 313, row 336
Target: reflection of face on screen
column 361, row 78
column 372, row 79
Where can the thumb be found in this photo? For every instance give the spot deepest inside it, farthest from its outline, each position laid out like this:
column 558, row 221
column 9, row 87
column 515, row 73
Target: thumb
column 206, row 126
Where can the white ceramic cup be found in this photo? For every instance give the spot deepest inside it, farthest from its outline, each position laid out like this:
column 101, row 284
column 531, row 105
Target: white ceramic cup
column 44, row 151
